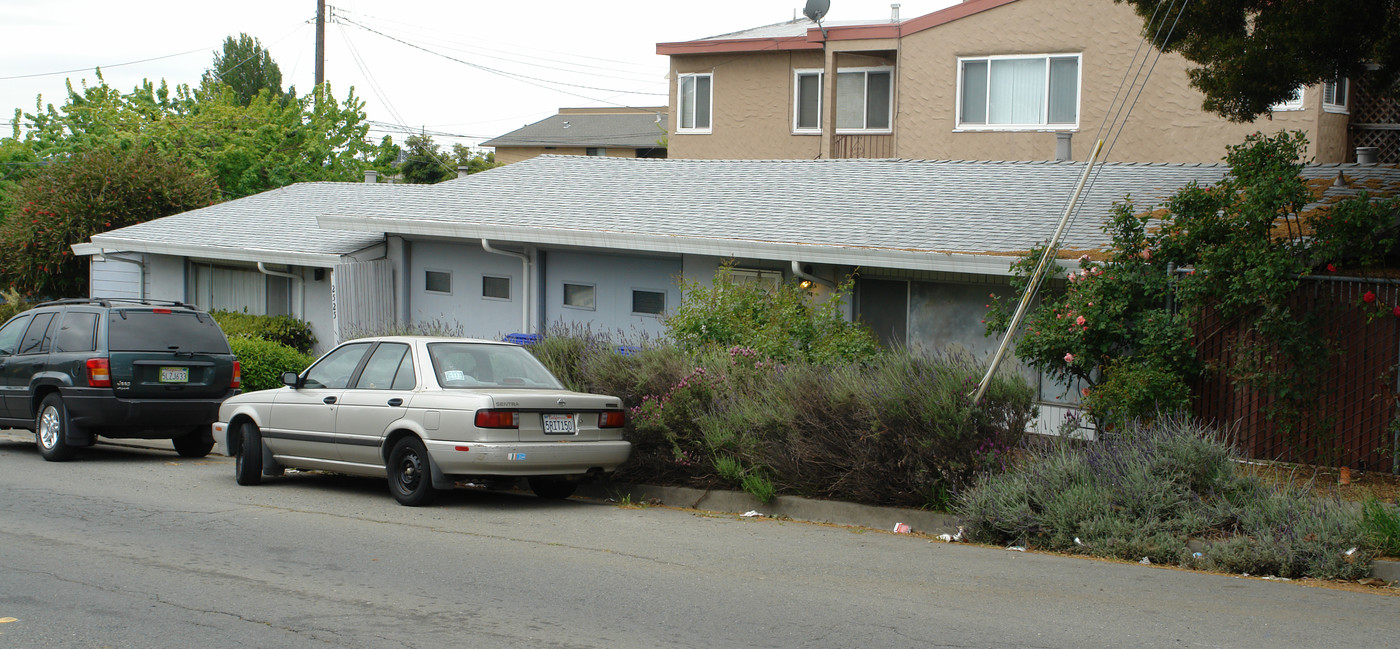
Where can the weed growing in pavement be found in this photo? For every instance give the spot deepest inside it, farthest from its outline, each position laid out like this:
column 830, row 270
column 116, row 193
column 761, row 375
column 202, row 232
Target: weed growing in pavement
column 1147, row 491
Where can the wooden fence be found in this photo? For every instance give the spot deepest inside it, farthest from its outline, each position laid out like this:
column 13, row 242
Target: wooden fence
column 1351, row 419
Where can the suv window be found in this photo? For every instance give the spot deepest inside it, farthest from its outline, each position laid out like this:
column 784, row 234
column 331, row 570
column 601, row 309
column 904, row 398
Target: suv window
column 78, row 333
column 147, row 330
column 36, row 338
column 10, row 334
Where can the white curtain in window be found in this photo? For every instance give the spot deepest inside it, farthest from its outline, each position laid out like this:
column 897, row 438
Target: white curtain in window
column 1017, row 91
column 687, row 101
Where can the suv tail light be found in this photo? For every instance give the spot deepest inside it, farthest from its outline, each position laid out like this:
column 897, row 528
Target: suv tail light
column 497, row 419
column 99, row 373
column 237, row 376
column 612, row 419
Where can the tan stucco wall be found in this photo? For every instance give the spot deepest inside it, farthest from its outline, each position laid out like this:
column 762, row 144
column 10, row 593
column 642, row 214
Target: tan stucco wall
column 509, row 154
column 753, row 94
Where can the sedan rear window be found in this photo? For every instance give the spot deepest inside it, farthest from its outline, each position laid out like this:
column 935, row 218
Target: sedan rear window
column 478, row 365
column 151, row 330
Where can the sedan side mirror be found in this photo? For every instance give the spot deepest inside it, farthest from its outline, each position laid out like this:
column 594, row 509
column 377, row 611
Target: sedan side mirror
column 291, row 379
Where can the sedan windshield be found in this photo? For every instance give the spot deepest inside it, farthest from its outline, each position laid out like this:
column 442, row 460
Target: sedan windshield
column 478, row 365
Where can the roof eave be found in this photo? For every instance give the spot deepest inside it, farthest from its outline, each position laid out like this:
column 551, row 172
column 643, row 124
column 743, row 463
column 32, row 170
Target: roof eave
column 911, row 259
column 104, row 244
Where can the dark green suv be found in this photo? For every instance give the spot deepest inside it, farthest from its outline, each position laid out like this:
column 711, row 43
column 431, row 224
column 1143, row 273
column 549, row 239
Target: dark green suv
column 72, row 370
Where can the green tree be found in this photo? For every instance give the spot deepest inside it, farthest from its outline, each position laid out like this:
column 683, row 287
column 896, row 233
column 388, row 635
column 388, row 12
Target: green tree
column 425, row 162
column 1256, row 53
column 246, row 67
column 69, row 201
column 474, row 160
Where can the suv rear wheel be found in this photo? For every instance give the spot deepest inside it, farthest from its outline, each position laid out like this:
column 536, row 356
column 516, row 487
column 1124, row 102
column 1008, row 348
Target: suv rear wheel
column 51, row 427
column 197, row 443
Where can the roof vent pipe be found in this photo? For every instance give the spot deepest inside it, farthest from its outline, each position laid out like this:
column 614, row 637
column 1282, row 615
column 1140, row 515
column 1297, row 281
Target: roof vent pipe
column 462, row 171
column 371, row 176
column 1366, row 155
column 894, row 12
column 1062, row 146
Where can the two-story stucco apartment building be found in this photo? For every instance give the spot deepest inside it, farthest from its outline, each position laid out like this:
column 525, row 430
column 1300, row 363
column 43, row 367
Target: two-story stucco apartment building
column 981, row 80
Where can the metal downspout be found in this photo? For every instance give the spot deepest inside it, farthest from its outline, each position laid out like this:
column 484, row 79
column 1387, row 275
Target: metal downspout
column 301, row 286
column 524, row 283
column 140, row 270
column 797, row 271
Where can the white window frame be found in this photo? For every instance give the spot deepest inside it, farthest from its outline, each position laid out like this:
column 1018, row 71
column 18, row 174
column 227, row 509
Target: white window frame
column 443, row 271
column 1333, row 106
column 1298, row 102
column 643, row 314
column 865, row 102
column 510, row 288
column 797, row 75
column 680, row 104
column 564, row 296
column 1044, row 124
column 769, row 279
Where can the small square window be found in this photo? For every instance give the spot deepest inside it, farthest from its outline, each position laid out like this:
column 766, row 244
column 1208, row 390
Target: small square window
column 437, row 281
column 495, row 287
column 579, row 295
column 648, row 302
column 595, row 151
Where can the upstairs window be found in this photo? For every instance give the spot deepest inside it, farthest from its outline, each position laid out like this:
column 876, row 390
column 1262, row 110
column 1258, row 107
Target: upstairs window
column 1018, row 92
column 807, row 101
column 1292, row 103
column 693, row 96
column 1334, row 95
column 863, row 99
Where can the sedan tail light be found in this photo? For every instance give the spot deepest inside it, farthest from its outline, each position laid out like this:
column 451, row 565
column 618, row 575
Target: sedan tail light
column 99, row 373
column 497, row 419
column 237, row 376
column 611, row 419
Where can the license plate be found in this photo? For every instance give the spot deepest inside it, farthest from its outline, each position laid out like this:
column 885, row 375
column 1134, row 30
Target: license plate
column 174, row 375
column 560, row 425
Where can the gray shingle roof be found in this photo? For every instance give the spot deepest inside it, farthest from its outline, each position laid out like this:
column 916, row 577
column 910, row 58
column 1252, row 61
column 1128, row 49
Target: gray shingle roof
column 845, row 210
column 272, row 226
column 638, row 130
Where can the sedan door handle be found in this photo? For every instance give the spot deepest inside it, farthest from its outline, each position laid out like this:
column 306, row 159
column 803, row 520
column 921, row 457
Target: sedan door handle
column 396, row 402
column 329, row 400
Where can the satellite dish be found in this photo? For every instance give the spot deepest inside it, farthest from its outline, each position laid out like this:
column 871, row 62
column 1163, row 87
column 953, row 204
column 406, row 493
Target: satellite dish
column 816, row 10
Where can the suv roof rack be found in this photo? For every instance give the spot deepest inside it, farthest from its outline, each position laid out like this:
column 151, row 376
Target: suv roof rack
column 108, row 302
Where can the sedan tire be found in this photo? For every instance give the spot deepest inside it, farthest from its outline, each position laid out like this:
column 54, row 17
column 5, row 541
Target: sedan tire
column 248, row 461
column 51, row 427
column 410, row 474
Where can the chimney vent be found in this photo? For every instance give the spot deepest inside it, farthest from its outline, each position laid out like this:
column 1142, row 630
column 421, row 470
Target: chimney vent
column 1366, row 155
column 462, row 171
column 1062, row 146
column 894, row 12
column 371, row 176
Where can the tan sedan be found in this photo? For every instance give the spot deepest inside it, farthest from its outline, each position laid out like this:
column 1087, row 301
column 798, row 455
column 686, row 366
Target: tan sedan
column 426, row 412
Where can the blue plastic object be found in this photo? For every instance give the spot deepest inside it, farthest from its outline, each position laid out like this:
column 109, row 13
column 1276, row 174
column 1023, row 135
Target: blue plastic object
column 523, row 339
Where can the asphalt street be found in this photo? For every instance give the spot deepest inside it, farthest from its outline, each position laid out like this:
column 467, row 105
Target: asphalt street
column 139, row 548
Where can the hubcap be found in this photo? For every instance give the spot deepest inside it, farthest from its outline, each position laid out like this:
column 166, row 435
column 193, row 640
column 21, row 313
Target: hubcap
column 48, row 427
column 409, row 471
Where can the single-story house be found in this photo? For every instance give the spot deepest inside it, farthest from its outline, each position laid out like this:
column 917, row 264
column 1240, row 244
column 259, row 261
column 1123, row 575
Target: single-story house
column 601, row 242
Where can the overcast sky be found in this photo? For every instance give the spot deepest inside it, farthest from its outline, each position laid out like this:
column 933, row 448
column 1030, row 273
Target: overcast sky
column 606, row 50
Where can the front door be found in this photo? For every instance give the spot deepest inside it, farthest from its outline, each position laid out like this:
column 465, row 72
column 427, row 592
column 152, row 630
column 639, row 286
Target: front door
column 302, row 420
column 11, row 378
column 379, row 397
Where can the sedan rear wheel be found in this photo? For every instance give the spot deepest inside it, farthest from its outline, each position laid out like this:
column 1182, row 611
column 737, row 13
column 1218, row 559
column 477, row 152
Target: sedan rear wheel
column 553, row 488
column 410, row 474
column 51, row 429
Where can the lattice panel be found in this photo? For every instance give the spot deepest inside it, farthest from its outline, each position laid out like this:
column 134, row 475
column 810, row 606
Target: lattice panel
column 1373, row 108
column 1386, row 142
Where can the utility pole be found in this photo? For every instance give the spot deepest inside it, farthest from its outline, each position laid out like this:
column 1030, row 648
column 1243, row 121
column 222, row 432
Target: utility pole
column 320, row 42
